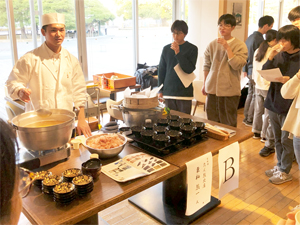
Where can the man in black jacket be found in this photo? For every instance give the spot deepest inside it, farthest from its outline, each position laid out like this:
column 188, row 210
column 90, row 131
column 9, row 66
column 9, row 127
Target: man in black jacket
column 265, row 23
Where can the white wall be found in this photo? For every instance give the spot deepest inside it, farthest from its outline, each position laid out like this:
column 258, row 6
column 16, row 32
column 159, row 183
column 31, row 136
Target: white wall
column 203, row 18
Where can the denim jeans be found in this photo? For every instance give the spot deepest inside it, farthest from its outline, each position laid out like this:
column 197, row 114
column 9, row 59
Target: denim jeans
column 249, row 103
column 296, row 142
column 260, row 125
column 283, row 145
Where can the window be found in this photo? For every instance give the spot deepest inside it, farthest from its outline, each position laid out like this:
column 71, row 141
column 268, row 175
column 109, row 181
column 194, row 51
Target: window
column 155, row 20
column 109, row 31
column 287, row 6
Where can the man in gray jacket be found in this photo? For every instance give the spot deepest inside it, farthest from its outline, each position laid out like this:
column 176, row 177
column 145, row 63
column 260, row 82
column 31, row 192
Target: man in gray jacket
column 224, row 59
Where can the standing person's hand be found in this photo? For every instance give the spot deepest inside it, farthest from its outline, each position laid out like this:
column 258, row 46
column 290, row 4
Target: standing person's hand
column 160, row 97
column 24, row 93
column 275, row 50
column 203, row 90
column 175, row 47
column 291, row 220
column 223, row 42
column 283, row 79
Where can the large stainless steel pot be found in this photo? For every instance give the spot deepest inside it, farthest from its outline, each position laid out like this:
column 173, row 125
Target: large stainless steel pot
column 137, row 117
column 44, row 138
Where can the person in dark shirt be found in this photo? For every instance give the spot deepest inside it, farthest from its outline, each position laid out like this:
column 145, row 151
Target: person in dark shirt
column 265, row 23
column 176, row 95
column 285, row 56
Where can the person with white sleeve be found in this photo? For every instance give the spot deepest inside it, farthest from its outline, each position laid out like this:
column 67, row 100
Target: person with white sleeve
column 49, row 75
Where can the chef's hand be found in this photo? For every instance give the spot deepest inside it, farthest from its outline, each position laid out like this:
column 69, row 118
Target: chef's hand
column 82, row 125
column 24, row 93
column 175, row 47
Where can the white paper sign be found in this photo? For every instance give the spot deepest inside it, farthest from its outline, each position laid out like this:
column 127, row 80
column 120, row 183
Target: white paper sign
column 270, row 75
column 185, row 78
column 199, row 182
column 229, row 167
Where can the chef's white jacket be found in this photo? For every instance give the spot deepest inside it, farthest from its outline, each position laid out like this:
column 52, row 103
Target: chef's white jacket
column 35, row 70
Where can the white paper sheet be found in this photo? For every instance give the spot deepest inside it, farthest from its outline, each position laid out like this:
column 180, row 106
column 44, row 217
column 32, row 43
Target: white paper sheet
column 185, row 78
column 229, row 168
column 199, row 182
column 270, row 75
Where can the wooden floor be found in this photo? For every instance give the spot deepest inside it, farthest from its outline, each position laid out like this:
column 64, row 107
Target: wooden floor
column 256, row 201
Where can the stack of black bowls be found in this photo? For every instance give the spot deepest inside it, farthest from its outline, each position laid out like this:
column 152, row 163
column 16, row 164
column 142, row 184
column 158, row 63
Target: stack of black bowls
column 49, row 183
column 39, row 177
column 64, row 193
column 69, row 174
column 84, row 184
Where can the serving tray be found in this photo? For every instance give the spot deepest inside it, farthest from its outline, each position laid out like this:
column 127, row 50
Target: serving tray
column 170, row 147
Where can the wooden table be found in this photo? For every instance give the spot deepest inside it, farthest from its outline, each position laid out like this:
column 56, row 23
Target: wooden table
column 170, row 207
column 40, row 209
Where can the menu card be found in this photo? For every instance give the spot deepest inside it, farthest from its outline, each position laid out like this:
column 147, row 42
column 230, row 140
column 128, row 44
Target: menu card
column 133, row 166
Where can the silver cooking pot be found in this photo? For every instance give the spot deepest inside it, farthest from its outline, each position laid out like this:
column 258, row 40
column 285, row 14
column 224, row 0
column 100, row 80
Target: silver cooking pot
column 48, row 137
column 137, row 117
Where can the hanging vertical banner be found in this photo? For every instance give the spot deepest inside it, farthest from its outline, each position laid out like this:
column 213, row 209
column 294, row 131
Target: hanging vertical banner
column 199, row 182
column 229, row 167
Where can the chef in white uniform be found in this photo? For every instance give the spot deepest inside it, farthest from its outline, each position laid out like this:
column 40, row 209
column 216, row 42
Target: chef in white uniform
column 50, row 76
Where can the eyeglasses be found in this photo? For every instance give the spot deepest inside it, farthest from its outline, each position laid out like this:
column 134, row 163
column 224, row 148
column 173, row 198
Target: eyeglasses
column 26, row 179
column 224, row 25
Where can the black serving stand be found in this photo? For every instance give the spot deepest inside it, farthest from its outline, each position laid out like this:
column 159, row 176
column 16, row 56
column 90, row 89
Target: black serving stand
column 166, row 201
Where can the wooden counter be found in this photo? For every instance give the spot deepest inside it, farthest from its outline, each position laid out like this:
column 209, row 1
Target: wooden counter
column 41, row 209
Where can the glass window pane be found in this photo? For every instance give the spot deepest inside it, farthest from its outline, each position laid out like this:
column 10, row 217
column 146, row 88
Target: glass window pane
column 5, row 57
column 272, row 9
column 253, row 16
column 109, row 30
column 23, row 26
column 287, row 6
column 155, row 20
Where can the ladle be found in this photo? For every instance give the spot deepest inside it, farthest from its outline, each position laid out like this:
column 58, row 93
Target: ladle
column 41, row 112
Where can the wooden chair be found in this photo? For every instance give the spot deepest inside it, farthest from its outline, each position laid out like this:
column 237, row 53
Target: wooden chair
column 200, row 98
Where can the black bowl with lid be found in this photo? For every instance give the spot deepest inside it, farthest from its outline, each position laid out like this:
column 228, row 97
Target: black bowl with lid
column 147, row 135
column 198, row 126
column 173, row 117
column 160, row 129
column 174, row 135
column 185, row 121
column 162, row 122
column 187, row 130
column 148, row 126
column 175, row 125
column 161, row 140
column 136, row 130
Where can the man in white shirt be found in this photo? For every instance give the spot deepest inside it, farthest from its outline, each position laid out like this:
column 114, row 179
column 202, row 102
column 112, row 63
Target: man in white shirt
column 49, row 75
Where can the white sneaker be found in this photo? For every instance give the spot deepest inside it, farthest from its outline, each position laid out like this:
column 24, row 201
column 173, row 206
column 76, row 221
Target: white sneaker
column 280, row 177
column 270, row 172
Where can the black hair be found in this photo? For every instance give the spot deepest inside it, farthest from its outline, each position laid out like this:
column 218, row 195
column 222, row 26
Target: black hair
column 294, row 13
column 263, row 47
column 265, row 20
column 44, row 27
column 228, row 19
column 180, row 25
column 7, row 168
column 290, row 33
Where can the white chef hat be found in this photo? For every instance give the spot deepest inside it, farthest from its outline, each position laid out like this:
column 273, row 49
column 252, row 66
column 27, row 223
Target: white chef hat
column 51, row 18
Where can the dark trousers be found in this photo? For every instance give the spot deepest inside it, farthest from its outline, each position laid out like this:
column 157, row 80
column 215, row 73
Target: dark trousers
column 184, row 106
column 222, row 109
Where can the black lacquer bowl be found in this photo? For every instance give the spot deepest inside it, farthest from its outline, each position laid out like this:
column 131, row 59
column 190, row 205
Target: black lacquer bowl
column 39, row 177
column 49, row 183
column 146, row 135
column 64, row 193
column 84, row 184
column 161, row 140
